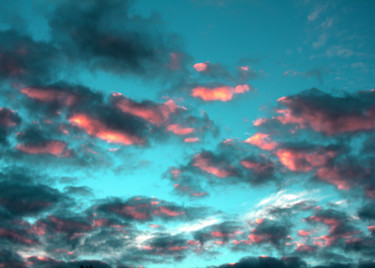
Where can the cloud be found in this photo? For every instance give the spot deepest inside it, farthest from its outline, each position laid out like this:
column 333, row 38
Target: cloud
column 367, row 212
column 135, row 47
column 24, row 60
column 265, row 262
column 262, row 141
column 155, row 114
column 328, row 114
column 145, row 209
column 56, row 148
column 95, row 127
column 201, row 66
column 205, row 160
column 8, row 120
column 222, row 93
column 340, row 227
column 305, row 159
column 229, row 163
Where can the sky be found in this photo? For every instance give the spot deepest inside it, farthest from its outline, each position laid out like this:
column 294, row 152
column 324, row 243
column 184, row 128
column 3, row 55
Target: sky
column 191, row 133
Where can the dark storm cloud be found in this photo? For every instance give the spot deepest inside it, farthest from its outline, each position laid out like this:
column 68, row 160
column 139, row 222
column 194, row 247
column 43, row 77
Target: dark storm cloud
column 266, row 262
column 288, row 262
column 46, row 262
column 22, row 193
column 11, row 259
column 27, row 199
column 107, row 36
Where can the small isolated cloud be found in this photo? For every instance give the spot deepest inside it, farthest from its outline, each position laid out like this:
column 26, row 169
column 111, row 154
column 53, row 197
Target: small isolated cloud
column 222, row 93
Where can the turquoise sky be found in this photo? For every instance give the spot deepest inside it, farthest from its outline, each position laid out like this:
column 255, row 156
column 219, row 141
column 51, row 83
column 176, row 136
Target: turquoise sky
column 212, row 133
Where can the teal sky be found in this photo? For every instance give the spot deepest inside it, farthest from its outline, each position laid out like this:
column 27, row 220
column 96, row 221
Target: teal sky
column 187, row 133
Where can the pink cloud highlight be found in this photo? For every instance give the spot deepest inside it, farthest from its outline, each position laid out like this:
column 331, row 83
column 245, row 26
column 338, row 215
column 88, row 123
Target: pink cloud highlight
column 96, row 128
column 257, row 167
column 49, row 95
column 191, row 140
column 56, row 148
column 155, row 114
column 222, row 93
column 324, row 120
column 304, row 233
column 333, row 176
column 179, row 130
column 302, row 161
column 262, row 141
column 201, row 66
column 206, row 165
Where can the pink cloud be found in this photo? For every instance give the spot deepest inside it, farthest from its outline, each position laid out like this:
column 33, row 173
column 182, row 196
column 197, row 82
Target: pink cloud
column 155, row 114
column 175, row 61
column 56, row 148
column 304, row 233
column 170, row 212
column 257, row 167
column 191, row 140
column 262, row 141
column 258, row 122
column 304, row 248
column 179, row 130
column 305, row 114
column 13, row 235
column 49, row 95
column 333, row 176
column 225, row 234
column 98, row 129
column 201, row 66
column 206, row 165
column 302, row 161
column 131, row 211
column 334, row 231
column 222, row 93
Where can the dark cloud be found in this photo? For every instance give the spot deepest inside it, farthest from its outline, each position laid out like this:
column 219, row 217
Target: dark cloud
column 270, row 231
column 8, row 120
column 174, row 246
column 109, row 37
column 146, row 209
column 221, row 233
column 44, row 262
column 229, row 164
column 23, row 193
column 266, row 262
column 23, row 60
column 11, row 259
column 367, row 212
column 341, row 227
column 329, row 114
column 287, row 262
